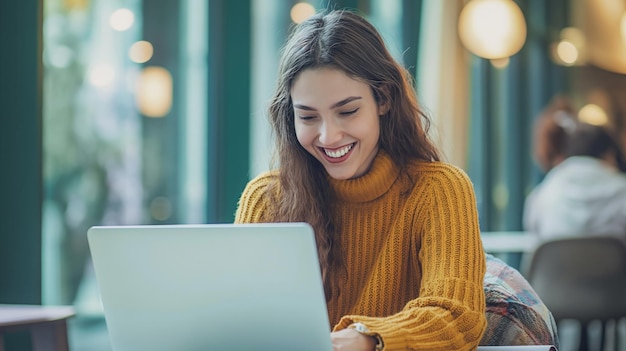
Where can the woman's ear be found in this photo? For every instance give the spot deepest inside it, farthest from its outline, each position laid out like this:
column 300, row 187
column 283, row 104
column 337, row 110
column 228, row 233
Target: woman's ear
column 383, row 107
column 384, row 101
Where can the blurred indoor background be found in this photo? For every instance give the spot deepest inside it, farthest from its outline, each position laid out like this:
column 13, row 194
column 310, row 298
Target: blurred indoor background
column 118, row 112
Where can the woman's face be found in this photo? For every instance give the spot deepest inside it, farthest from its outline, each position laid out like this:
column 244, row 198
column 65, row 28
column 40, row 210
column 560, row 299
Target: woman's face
column 336, row 121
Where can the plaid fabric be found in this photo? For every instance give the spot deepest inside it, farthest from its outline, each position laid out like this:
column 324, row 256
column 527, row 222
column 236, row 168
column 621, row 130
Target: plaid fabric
column 515, row 314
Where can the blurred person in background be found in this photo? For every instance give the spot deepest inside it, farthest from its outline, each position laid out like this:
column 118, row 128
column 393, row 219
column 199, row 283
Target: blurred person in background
column 583, row 194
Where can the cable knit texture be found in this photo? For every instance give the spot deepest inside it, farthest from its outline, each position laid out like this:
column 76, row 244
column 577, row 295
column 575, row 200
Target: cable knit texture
column 413, row 254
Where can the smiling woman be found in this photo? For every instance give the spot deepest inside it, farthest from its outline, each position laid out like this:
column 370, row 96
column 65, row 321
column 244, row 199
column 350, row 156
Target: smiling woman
column 396, row 229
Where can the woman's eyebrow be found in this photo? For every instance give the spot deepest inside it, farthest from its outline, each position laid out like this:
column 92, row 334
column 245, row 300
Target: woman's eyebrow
column 335, row 105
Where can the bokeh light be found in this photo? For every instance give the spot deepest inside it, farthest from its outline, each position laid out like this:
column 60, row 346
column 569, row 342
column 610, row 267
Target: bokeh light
column 122, row 19
column 301, row 11
column 593, row 114
column 101, row 75
column 154, row 91
column 574, row 36
column 141, row 51
column 492, row 29
column 567, row 52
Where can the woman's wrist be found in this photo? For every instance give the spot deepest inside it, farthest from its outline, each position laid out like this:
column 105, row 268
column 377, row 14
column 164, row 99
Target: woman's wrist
column 364, row 330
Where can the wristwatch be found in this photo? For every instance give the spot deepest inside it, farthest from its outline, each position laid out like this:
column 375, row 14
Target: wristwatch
column 361, row 328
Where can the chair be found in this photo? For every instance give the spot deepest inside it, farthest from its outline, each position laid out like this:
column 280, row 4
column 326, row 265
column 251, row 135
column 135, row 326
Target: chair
column 583, row 279
column 516, row 316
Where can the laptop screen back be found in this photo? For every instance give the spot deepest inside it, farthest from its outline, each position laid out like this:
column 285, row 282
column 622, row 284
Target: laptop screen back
column 211, row 287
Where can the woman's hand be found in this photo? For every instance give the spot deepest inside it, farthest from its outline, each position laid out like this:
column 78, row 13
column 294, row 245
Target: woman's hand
column 352, row 340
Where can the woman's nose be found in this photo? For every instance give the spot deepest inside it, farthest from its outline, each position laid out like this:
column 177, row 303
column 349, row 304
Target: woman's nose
column 330, row 133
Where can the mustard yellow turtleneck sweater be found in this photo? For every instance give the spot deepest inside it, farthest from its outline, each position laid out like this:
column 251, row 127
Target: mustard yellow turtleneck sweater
column 415, row 261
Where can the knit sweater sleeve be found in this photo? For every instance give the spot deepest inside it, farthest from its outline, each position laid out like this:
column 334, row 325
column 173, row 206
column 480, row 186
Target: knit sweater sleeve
column 449, row 313
column 255, row 201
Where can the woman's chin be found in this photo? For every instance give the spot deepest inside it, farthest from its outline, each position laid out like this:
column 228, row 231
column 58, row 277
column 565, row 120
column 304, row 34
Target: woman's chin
column 337, row 174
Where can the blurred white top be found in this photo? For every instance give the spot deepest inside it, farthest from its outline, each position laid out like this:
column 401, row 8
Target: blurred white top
column 579, row 197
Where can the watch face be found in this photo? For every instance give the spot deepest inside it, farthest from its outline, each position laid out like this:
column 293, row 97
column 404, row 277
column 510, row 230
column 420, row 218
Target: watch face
column 360, row 327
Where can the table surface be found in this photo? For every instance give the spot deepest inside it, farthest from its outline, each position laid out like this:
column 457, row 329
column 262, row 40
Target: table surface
column 12, row 315
column 509, row 241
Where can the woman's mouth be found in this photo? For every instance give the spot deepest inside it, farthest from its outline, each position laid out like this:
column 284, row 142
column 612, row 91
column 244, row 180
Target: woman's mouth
column 338, row 154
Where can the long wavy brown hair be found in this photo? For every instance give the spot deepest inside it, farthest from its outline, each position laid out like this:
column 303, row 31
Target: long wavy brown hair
column 342, row 40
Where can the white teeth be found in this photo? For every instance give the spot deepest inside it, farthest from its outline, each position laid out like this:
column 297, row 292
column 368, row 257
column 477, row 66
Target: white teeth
column 338, row 153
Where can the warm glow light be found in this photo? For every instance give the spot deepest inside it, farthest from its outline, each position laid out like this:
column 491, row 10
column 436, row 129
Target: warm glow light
column 75, row 4
column 571, row 48
column 154, row 92
column 122, row 19
column 492, row 29
column 567, row 52
column 593, row 114
column 623, row 27
column 500, row 63
column 140, row 51
column 101, row 75
column 574, row 36
column 301, row 11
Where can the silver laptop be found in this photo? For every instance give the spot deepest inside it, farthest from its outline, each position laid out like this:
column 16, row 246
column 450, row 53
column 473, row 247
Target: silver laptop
column 211, row 287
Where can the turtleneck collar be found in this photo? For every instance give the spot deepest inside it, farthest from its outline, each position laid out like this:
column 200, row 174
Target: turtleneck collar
column 373, row 184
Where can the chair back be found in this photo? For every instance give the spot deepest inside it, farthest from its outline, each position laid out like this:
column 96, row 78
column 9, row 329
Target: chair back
column 582, row 278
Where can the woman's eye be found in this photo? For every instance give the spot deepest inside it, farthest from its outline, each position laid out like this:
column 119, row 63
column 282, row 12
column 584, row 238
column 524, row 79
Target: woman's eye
column 306, row 118
column 348, row 113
